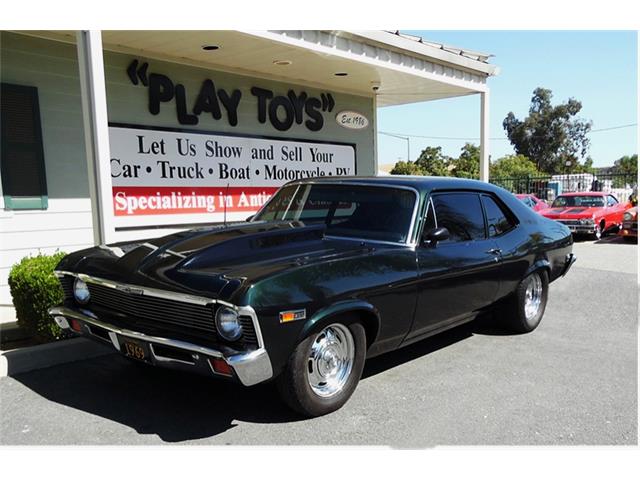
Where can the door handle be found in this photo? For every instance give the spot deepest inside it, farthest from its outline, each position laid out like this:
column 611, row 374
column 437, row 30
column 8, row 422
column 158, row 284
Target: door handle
column 494, row 251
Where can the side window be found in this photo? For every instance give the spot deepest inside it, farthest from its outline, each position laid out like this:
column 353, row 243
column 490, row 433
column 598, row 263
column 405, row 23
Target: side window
column 24, row 184
column 461, row 214
column 498, row 220
column 611, row 201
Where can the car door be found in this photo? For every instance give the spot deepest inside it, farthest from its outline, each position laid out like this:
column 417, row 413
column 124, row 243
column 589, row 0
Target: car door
column 459, row 276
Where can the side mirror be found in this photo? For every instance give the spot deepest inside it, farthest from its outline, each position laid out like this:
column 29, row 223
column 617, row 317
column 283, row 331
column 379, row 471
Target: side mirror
column 436, row 235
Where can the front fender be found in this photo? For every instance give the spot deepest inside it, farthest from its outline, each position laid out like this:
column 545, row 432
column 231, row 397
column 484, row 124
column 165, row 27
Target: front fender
column 325, row 316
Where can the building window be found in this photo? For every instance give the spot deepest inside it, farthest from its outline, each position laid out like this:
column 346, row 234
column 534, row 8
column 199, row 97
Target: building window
column 24, row 183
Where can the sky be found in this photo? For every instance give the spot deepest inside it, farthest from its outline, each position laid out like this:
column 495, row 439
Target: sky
column 599, row 68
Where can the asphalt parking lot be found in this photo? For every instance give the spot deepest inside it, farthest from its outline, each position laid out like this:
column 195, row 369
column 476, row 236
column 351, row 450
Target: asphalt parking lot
column 571, row 382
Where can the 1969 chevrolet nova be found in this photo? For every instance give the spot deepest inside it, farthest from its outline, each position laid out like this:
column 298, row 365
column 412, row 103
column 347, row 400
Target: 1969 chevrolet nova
column 328, row 273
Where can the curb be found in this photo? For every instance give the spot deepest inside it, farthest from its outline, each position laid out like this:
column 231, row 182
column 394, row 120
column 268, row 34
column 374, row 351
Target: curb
column 22, row 360
column 11, row 331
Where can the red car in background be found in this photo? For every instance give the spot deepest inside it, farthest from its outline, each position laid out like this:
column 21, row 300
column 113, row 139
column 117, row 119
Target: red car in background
column 532, row 201
column 592, row 213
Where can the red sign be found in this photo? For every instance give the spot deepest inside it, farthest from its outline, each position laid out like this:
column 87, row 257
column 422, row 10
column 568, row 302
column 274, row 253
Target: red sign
column 130, row 201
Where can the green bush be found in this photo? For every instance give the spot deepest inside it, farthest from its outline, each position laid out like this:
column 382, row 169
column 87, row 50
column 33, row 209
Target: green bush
column 34, row 288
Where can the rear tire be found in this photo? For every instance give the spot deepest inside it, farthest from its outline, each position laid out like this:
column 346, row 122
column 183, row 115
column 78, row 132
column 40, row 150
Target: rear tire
column 525, row 308
column 323, row 371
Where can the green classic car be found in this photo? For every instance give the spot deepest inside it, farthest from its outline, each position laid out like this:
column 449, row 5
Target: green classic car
column 330, row 272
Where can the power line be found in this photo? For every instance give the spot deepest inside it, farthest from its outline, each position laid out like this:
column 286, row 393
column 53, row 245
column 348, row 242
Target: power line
column 614, row 128
column 405, row 135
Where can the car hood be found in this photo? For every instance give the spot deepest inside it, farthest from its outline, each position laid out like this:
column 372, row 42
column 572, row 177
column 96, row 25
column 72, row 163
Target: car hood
column 570, row 212
column 214, row 262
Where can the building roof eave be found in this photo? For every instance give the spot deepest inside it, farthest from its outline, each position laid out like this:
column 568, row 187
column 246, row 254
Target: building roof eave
column 429, row 50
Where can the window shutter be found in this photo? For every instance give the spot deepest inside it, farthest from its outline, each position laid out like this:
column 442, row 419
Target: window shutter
column 22, row 162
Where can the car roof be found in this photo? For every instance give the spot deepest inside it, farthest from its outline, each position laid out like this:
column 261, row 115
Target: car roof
column 420, row 183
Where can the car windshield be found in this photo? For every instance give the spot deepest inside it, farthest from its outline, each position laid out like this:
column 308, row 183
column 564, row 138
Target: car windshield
column 347, row 210
column 578, row 201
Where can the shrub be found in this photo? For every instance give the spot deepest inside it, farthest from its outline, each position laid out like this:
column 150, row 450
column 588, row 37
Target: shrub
column 34, row 288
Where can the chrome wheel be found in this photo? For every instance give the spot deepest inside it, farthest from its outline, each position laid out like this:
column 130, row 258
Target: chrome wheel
column 533, row 296
column 330, row 360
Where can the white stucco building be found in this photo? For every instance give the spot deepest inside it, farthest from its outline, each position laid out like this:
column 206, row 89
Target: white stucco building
column 113, row 135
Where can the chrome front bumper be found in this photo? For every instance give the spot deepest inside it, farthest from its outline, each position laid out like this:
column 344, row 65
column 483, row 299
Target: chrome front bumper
column 250, row 367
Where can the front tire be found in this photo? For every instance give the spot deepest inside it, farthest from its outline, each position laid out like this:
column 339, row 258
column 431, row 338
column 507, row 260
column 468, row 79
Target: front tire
column 323, row 371
column 598, row 232
column 525, row 309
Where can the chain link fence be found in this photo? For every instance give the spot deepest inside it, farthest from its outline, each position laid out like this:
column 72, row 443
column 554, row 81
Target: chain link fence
column 621, row 185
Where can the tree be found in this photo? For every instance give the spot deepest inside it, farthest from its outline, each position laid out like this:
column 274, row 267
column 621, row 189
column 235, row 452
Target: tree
column 406, row 168
column 550, row 135
column 628, row 166
column 586, row 167
column 433, row 162
column 467, row 165
column 511, row 166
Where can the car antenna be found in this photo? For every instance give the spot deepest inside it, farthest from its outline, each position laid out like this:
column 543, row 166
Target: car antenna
column 226, row 197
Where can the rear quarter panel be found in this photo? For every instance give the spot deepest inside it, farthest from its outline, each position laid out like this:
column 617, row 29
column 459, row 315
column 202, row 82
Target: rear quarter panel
column 537, row 242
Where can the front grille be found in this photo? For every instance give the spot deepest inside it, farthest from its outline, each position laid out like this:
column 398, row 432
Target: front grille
column 67, row 286
column 155, row 313
column 161, row 310
column 570, row 222
column 577, row 223
column 248, row 331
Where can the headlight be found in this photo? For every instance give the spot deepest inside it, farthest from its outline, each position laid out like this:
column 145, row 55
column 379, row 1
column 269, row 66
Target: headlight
column 227, row 324
column 81, row 291
column 628, row 216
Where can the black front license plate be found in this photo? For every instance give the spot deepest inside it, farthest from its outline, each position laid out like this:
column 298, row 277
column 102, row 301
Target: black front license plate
column 135, row 350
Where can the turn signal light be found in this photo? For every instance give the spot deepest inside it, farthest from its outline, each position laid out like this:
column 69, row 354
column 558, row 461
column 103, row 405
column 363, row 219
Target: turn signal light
column 293, row 315
column 221, row 367
column 76, row 326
